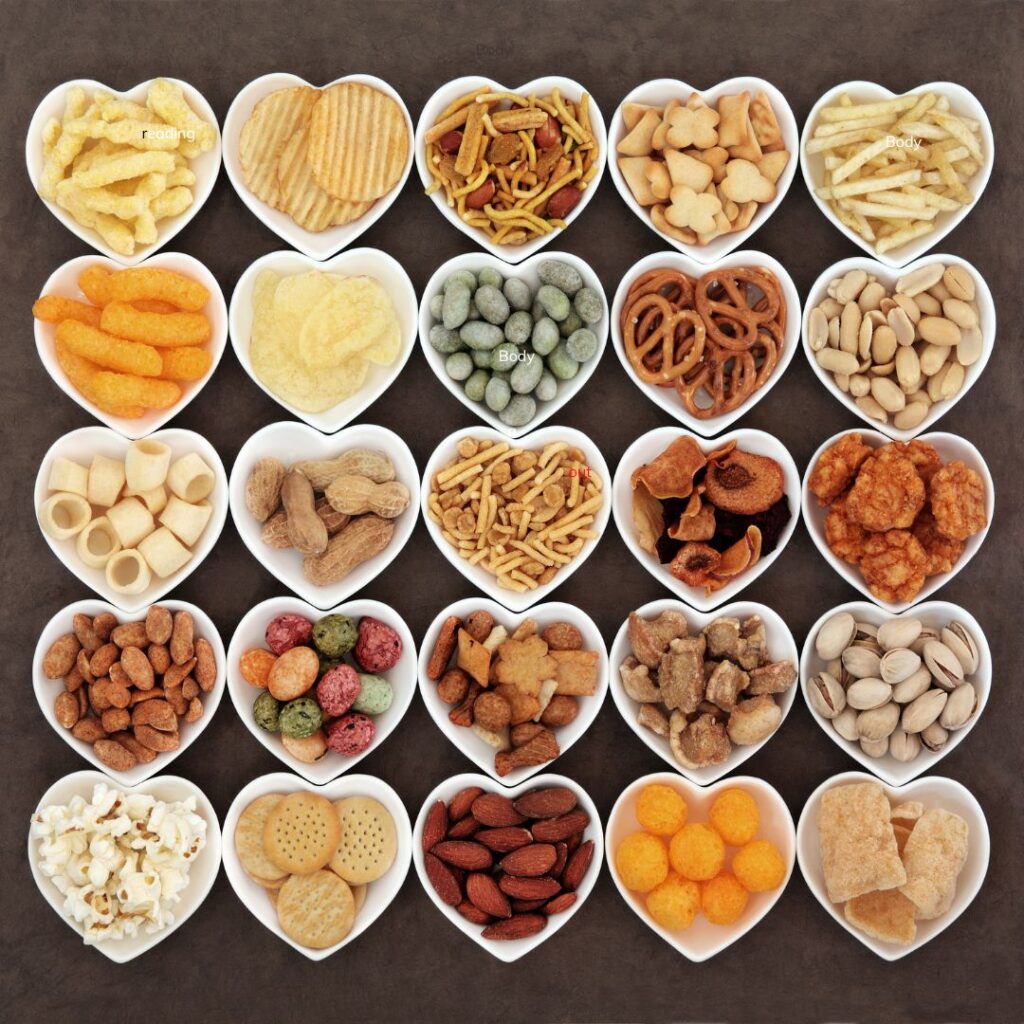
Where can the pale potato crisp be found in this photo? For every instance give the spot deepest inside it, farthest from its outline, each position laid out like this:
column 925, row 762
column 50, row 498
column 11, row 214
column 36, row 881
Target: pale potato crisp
column 934, row 856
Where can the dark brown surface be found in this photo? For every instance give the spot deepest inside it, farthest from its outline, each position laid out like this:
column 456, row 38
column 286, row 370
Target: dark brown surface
column 797, row 965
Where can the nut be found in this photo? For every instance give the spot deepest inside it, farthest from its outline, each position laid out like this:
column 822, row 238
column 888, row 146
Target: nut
column 904, row 746
column 960, row 707
column 875, row 748
column 865, row 694
column 934, row 737
column 944, row 665
column 898, row 633
column 957, row 637
column 835, row 636
column 878, row 723
column 826, row 695
column 845, row 724
column 913, row 686
column 921, row 713
column 263, row 488
column 861, row 663
column 899, row 664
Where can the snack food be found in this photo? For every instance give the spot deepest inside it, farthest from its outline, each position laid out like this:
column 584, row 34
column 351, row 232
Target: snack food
column 707, row 692
column 887, row 885
column 683, row 872
column 715, row 339
column 511, row 344
column 321, row 682
column 120, row 860
column 709, row 516
column 133, row 519
column 896, row 688
column 897, row 511
column 324, row 156
column 890, row 167
column 335, row 513
column 127, row 688
column 117, row 351
column 513, row 166
column 523, row 861
column 513, row 685
column 702, row 170
column 518, row 513
column 898, row 350
column 315, row 335
column 119, row 167
column 315, row 858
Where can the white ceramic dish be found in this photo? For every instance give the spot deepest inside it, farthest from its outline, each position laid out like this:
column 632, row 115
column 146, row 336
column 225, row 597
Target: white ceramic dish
column 64, row 281
column 648, row 447
column 962, row 101
column 80, row 446
column 317, row 245
column 205, row 166
column 355, row 262
column 457, row 87
column 933, row 791
column 251, row 632
column 781, row 647
column 526, row 271
column 465, row 740
column 666, row 398
column 294, row 442
column 508, row 951
column 379, row 894
column 932, row 613
column 703, row 940
column 481, row 579
column 47, row 689
column 202, row 873
column 950, row 447
column 657, row 93
column 888, row 276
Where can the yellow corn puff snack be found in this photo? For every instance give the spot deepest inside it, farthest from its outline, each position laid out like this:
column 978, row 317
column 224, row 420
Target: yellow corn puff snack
column 105, row 350
column 155, row 283
column 52, row 309
column 82, row 375
column 126, row 389
column 168, row 101
column 186, row 363
column 94, row 283
column 165, row 330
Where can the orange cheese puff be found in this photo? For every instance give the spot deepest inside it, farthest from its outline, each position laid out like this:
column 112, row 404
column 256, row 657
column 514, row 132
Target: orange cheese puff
column 82, row 375
column 154, row 306
column 108, row 351
column 165, row 330
column 126, row 389
column 186, row 363
column 52, row 309
column 155, row 283
column 94, row 282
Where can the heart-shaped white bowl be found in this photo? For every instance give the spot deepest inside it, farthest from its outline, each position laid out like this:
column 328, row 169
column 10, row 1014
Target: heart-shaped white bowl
column 205, row 166
column 80, row 446
column 703, row 940
column 251, row 632
column 355, row 262
column 465, row 740
column 379, row 894
column 932, row 613
column 457, row 87
column 201, row 876
column 962, row 102
column 888, row 276
column 666, row 398
column 648, row 447
column 446, row 451
column 932, row 791
column 293, row 442
column 526, row 271
column 48, row 689
column 949, row 446
column 511, row 950
column 781, row 647
column 317, row 245
column 64, row 281
column 657, row 93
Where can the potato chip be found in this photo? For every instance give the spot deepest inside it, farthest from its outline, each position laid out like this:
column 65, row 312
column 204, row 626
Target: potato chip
column 934, row 856
column 886, row 915
column 352, row 317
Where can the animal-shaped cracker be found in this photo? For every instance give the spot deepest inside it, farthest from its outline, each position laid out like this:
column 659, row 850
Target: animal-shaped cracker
column 744, row 183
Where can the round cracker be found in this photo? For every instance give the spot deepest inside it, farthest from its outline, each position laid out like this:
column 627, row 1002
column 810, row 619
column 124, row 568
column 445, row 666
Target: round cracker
column 316, row 910
column 266, row 883
column 368, row 841
column 271, row 124
column 358, row 142
column 249, row 841
column 359, row 895
column 302, row 833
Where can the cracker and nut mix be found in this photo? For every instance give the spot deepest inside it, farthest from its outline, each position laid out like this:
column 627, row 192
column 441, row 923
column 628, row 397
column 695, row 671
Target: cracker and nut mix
column 126, row 685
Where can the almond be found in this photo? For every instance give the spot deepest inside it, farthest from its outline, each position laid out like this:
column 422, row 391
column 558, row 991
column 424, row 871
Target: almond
column 525, row 906
column 443, row 881
column 562, row 851
column 528, row 888
column 530, row 861
column 546, row 803
column 519, row 926
column 496, row 810
column 484, row 893
column 560, row 903
column 472, row 913
column 504, row 840
column 462, row 854
column 554, row 830
column 577, row 866
column 114, row 756
column 464, row 828
column 461, row 804
column 435, row 826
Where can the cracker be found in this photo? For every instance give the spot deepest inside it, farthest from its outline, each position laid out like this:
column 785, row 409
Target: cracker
column 368, row 842
column 858, row 847
column 271, row 124
column 576, row 674
column 359, row 895
column 525, row 664
column 474, row 658
column 887, row 915
column 316, row 910
column 934, row 856
column 302, row 833
column 249, row 841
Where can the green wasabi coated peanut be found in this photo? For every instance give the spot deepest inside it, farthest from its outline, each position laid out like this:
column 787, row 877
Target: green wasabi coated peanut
column 588, row 304
column 554, row 301
column 519, row 411
column 545, row 336
column 465, row 276
column 561, row 364
column 518, row 327
column 444, row 340
column 537, row 312
column 492, row 304
column 497, row 394
column 547, row 387
column 571, row 323
column 491, row 277
column 476, row 385
column 518, row 293
column 474, row 313
column 437, row 306
column 480, row 334
column 481, row 358
column 505, row 356
column 458, row 365
column 527, row 374
column 560, row 274
column 455, row 307
column 501, row 374
column 582, row 345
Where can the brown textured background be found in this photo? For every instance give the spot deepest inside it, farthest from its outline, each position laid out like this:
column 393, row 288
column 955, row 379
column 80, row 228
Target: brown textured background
column 797, row 965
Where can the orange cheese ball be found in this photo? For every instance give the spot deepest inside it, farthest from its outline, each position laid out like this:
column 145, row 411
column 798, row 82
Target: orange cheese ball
column 759, row 866
column 735, row 817
column 697, row 852
column 661, row 810
column 674, row 903
column 723, row 899
column 642, row 862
